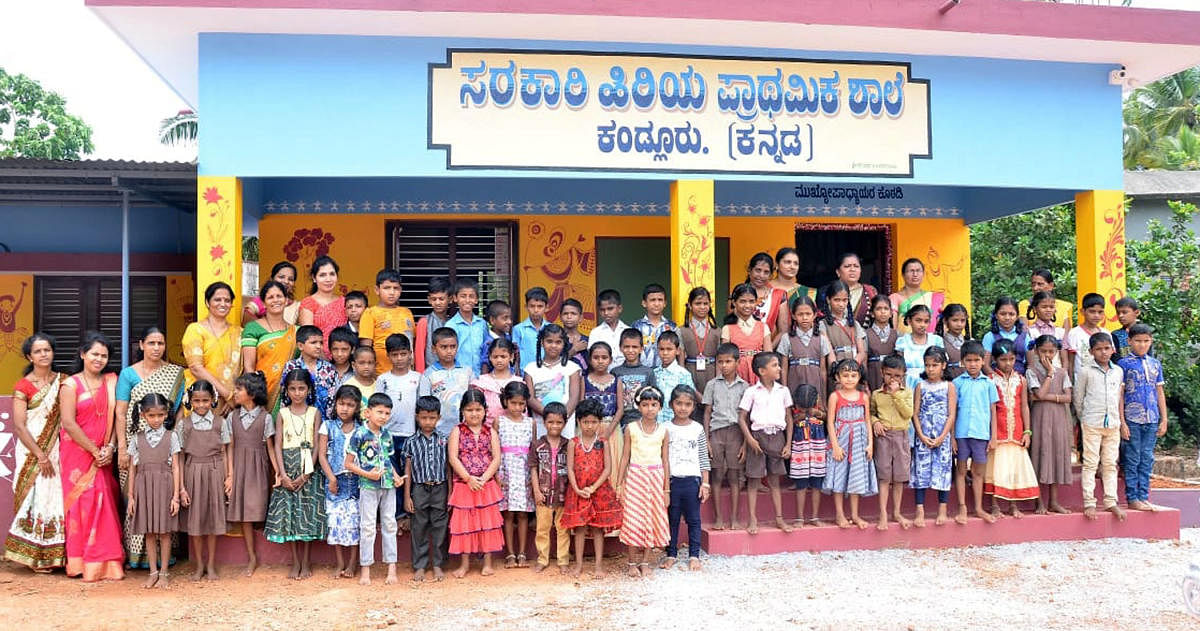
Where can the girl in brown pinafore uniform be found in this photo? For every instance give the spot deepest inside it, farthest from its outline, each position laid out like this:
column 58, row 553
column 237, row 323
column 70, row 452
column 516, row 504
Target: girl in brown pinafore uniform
column 700, row 337
column 845, row 335
column 253, row 468
column 955, row 329
column 805, row 351
column 154, row 484
column 1050, row 418
column 881, row 340
column 207, row 475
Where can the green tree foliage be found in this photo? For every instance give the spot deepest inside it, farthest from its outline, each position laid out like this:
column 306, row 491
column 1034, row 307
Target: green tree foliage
column 1163, row 271
column 34, row 122
column 1161, row 121
column 180, row 129
column 1005, row 251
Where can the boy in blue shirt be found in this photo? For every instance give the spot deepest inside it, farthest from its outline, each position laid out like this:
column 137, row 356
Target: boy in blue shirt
column 499, row 319
column 471, row 330
column 654, row 323
column 525, row 334
column 1145, row 415
column 369, row 456
column 973, row 425
column 447, row 381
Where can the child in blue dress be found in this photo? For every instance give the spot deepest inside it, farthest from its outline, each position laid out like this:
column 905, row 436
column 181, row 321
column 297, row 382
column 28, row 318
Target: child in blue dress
column 933, row 457
column 341, row 492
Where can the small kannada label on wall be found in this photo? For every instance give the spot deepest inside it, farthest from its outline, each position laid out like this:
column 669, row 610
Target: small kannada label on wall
column 594, row 111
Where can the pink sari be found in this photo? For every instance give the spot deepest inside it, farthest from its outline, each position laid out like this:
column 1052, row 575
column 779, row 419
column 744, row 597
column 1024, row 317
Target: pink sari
column 90, row 494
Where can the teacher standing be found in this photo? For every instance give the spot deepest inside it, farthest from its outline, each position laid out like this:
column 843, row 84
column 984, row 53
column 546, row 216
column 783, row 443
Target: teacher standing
column 269, row 342
column 911, row 295
column 212, row 346
column 93, row 528
column 849, row 271
column 323, row 308
column 772, row 301
column 35, row 539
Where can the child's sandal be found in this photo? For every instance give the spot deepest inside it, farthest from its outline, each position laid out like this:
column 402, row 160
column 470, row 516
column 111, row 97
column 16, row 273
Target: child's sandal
column 510, row 561
column 522, row 561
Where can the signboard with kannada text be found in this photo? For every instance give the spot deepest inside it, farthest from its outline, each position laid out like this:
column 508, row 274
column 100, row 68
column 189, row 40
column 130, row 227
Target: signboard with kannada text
column 509, row 109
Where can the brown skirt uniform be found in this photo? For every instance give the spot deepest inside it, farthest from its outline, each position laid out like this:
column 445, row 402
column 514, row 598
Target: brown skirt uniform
column 1050, row 445
column 204, row 478
column 251, row 471
column 153, row 488
column 954, row 366
column 877, row 349
column 694, row 348
column 804, row 364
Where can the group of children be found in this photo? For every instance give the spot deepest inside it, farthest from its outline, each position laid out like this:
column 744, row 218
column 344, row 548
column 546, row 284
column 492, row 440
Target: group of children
column 458, row 427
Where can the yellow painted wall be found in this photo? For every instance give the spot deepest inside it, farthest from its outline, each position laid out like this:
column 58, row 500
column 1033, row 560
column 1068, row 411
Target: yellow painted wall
column 16, row 324
column 558, row 252
column 181, row 311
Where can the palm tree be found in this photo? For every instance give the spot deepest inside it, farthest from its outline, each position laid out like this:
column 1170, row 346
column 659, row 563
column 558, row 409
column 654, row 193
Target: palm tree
column 1155, row 115
column 181, row 128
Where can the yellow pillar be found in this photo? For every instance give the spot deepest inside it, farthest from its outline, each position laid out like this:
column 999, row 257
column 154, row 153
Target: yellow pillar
column 693, row 244
column 219, row 239
column 1100, row 247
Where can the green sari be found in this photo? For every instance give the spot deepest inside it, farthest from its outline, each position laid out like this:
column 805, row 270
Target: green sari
column 273, row 350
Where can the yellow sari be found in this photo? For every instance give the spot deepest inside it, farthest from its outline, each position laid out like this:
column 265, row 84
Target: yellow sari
column 221, row 356
column 274, row 349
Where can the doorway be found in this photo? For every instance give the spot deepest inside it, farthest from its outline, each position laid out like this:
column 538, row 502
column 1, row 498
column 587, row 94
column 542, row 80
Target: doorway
column 628, row 264
column 820, row 245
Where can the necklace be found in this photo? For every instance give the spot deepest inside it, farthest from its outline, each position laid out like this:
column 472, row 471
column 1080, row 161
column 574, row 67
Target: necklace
column 588, row 448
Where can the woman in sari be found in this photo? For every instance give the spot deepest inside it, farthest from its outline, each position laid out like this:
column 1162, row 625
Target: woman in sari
column 911, row 294
column 771, row 309
column 270, row 342
column 849, row 271
column 285, row 274
column 35, row 539
column 787, row 266
column 323, row 309
column 90, row 494
column 213, row 348
column 152, row 374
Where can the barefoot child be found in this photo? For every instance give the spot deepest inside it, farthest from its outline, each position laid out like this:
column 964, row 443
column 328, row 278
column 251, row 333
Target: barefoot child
column 891, row 420
column 974, row 419
column 933, row 455
column 722, row 395
column 1050, row 445
column 474, row 452
column 341, row 493
column 154, row 484
column 207, row 475
column 516, row 430
column 851, row 470
column 805, row 350
column 809, row 446
column 1010, row 474
column 426, row 493
column 363, row 378
column 1099, row 400
column 763, row 419
column 590, row 507
column 1145, row 419
column 548, row 474
column 342, row 342
column 369, row 456
column 643, row 487
column 296, row 515
column 689, row 475
column 253, row 460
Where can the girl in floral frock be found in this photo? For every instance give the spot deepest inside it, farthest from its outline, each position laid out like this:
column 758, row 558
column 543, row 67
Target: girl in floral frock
column 474, row 455
column 296, row 514
column 341, row 490
column 501, row 353
column 931, row 463
column 516, row 431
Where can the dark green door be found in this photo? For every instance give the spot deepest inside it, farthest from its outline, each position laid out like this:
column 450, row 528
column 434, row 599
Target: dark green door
column 628, row 264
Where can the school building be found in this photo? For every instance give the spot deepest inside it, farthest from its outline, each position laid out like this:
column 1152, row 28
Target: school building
column 579, row 145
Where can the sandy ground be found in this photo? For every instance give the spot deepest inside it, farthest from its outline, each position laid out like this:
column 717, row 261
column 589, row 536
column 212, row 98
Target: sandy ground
column 1110, row 584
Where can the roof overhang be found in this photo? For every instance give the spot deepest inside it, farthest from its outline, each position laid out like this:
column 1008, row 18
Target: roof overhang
column 1149, row 43
column 36, row 182
column 1163, row 184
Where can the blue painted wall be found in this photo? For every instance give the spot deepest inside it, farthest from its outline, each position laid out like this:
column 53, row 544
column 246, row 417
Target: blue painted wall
column 289, row 105
column 87, row 229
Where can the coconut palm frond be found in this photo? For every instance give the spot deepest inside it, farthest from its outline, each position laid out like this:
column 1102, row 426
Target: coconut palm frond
column 182, row 128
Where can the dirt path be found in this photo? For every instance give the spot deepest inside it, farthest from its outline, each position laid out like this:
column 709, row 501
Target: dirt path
column 1043, row 585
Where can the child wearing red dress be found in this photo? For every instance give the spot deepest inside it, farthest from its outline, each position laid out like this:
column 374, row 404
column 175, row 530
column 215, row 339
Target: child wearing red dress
column 475, row 522
column 591, row 507
column 748, row 333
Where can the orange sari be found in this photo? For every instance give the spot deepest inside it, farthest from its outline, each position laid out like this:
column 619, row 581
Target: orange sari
column 90, row 494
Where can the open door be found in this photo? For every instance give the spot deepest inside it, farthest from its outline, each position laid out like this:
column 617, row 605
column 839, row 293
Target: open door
column 821, row 245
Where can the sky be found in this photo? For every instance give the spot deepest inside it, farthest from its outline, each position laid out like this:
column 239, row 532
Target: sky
column 114, row 91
